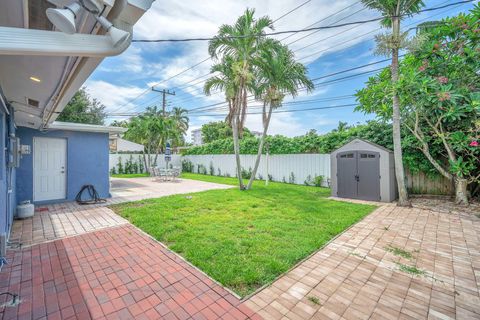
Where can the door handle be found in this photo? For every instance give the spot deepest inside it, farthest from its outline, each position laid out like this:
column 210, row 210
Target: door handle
column 62, row 171
column 357, row 177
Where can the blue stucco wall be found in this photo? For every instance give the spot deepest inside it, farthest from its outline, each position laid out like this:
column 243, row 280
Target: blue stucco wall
column 3, row 170
column 7, row 174
column 87, row 162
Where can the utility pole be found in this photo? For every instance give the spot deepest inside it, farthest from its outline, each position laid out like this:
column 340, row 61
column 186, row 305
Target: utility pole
column 164, row 98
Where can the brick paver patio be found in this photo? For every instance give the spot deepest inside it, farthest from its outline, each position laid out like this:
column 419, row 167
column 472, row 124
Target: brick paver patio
column 359, row 275
column 82, row 262
column 114, row 273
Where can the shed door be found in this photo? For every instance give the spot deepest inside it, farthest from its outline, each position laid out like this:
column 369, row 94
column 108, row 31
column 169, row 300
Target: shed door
column 346, row 174
column 368, row 164
column 49, row 169
column 358, row 175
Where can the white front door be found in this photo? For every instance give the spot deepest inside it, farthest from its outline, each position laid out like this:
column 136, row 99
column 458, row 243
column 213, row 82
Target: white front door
column 49, row 168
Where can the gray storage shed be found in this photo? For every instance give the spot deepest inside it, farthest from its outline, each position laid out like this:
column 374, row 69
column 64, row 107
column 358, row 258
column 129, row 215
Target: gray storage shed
column 363, row 170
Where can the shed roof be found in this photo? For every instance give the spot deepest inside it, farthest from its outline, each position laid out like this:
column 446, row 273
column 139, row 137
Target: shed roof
column 366, row 141
column 71, row 126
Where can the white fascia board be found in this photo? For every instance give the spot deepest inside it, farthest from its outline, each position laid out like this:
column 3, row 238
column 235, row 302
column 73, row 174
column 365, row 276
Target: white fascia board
column 20, row 41
column 70, row 126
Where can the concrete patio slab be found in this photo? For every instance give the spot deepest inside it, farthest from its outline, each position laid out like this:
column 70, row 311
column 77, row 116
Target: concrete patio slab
column 61, row 220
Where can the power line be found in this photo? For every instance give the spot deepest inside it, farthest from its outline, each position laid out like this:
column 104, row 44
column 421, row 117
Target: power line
column 325, row 18
column 425, row 10
column 290, row 111
column 296, row 31
column 291, row 11
column 318, row 78
column 333, row 14
column 199, row 63
column 295, row 102
column 349, row 40
column 188, row 99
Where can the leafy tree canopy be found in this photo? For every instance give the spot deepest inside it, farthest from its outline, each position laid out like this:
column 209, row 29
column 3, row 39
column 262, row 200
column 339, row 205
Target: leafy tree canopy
column 439, row 91
column 83, row 109
column 219, row 130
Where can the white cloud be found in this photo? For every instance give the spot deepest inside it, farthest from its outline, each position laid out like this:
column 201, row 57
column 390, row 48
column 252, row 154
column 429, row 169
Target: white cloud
column 151, row 63
column 189, row 18
column 112, row 96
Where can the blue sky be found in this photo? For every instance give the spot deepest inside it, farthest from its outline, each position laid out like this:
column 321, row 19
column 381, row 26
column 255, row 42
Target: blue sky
column 120, row 79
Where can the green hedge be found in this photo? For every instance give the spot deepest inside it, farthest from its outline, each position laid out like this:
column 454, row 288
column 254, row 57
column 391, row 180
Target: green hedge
column 311, row 142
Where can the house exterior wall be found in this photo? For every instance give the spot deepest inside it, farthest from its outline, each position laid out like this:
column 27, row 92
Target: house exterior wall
column 87, row 162
column 386, row 169
column 7, row 174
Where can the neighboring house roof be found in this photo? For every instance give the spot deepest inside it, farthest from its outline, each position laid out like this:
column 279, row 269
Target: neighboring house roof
column 41, row 69
column 120, row 145
column 70, row 126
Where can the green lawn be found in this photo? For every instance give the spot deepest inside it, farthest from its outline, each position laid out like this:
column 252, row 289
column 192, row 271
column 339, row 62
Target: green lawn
column 130, row 175
column 244, row 239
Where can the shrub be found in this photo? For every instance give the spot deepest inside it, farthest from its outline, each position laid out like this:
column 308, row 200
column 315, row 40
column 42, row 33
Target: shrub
column 201, row 169
column 141, row 167
column 219, row 172
column 318, row 181
column 270, row 177
column 246, row 174
column 212, row 169
column 291, row 178
column 113, row 171
column 309, row 181
column 120, row 166
column 187, row 165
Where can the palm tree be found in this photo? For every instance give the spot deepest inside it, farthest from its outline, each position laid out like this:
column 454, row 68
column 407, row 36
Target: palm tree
column 240, row 43
column 278, row 75
column 180, row 117
column 393, row 11
column 223, row 81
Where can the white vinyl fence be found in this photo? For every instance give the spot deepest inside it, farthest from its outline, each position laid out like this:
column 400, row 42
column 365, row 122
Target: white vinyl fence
column 292, row 168
column 136, row 158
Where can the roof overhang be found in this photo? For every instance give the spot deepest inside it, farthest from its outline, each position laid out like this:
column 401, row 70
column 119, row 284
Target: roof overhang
column 70, row 126
column 30, row 48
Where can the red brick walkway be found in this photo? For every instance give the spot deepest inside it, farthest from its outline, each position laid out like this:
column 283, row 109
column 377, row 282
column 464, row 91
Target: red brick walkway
column 115, row 273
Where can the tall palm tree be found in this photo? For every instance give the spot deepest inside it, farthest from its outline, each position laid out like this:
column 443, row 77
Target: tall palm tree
column 180, row 117
column 240, row 42
column 223, row 80
column 278, row 75
column 393, row 12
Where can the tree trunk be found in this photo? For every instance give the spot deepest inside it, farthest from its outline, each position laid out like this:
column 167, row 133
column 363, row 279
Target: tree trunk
column 260, row 147
column 397, row 143
column 236, row 148
column 145, row 162
column 237, row 106
column 461, row 197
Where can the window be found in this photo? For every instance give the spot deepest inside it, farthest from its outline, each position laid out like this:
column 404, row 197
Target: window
column 348, row 155
column 367, row 155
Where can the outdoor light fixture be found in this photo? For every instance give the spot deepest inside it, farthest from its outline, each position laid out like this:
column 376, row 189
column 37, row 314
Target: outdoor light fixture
column 64, row 19
column 117, row 36
column 35, row 79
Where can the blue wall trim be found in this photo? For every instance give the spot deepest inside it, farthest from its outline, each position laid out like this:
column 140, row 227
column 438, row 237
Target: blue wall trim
column 87, row 162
